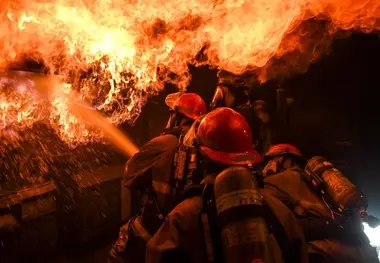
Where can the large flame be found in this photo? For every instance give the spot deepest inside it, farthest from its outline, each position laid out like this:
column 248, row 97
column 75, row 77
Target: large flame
column 117, row 53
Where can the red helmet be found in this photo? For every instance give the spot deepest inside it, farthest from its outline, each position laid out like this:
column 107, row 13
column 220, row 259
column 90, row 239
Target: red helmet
column 190, row 105
column 225, row 137
column 282, row 149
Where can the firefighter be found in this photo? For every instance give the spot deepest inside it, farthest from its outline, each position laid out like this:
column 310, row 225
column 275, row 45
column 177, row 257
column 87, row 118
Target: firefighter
column 235, row 93
column 305, row 187
column 193, row 231
column 149, row 176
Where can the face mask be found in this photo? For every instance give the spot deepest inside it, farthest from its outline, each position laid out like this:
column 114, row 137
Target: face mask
column 270, row 168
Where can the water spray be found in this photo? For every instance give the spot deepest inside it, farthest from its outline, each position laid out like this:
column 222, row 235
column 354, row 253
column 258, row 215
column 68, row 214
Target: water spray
column 45, row 85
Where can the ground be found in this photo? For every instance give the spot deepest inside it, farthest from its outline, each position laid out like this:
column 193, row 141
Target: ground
column 97, row 255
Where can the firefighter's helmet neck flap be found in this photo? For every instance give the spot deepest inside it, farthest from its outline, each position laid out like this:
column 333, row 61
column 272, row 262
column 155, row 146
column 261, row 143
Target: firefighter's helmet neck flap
column 174, row 120
column 218, row 99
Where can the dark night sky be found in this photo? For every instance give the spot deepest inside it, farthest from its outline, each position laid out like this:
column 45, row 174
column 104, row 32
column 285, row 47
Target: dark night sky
column 365, row 57
column 335, row 102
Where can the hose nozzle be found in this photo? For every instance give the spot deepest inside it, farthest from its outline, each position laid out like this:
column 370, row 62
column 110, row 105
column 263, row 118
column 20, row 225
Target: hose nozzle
column 372, row 221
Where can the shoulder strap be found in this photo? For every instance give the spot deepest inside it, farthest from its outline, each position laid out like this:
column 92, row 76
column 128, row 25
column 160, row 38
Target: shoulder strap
column 179, row 169
column 280, row 234
column 210, row 226
column 207, row 219
column 212, row 232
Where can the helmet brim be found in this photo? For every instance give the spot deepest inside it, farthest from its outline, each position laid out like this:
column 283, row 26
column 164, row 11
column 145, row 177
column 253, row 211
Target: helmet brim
column 251, row 156
column 171, row 99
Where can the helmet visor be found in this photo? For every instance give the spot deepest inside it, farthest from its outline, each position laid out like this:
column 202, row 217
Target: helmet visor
column 171, row 99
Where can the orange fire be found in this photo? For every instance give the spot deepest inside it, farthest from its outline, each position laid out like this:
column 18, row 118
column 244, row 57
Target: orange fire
column 117, row 53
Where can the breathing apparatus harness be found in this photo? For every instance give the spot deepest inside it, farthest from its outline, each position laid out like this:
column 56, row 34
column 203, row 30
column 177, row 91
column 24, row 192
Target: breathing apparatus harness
column 212, row 232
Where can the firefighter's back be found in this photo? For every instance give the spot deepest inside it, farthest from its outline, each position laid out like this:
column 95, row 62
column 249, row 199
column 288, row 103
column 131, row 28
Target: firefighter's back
column 328, row 242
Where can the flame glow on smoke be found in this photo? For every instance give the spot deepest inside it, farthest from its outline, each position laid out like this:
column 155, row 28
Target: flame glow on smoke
column 373, row 235
column 117, row 53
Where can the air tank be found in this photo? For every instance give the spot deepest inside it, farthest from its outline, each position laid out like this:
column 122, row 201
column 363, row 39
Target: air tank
column 243, row 230
column 344, row 196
